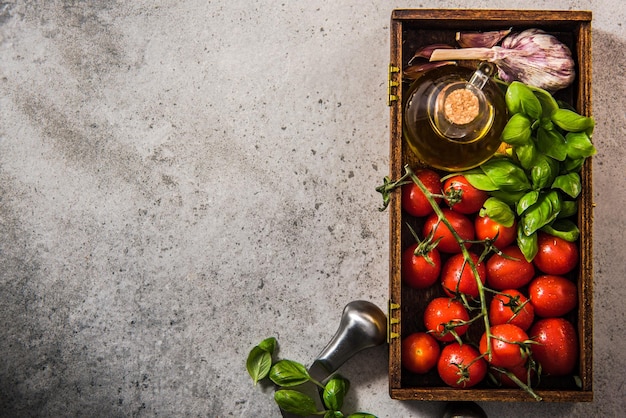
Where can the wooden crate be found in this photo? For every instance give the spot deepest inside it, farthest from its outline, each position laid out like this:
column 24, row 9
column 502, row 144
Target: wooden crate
column 410, row 29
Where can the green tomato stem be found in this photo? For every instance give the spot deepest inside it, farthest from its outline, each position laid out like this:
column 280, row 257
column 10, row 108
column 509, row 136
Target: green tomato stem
column 466, row 255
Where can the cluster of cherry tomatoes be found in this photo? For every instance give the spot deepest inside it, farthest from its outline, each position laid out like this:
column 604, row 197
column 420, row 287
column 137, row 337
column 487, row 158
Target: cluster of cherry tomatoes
column 527, row 303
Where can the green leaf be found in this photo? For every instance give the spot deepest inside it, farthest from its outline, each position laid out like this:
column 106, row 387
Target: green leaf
column 541, row 213
column 579, row 145
column 268, row 344
column 568, row 183
column 333, row 414
column 521, row 99
column 543, row 171
column 568, row 208
column 288, row 373
column 527, row 201
column 510, row 198
column 517, row 130
column 295, row 402
column 526, row 155
column 563, row 228
column 334, row 392
column 548, row 104
column 498, row 211
column 551, row 143
column 505, row 174
column 258, row 363
column 571, row 121
column 480, row 181
column 527, row 243
column 572, row 166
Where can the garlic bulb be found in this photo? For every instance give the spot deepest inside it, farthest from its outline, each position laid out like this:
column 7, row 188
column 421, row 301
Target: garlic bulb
column 533, row 57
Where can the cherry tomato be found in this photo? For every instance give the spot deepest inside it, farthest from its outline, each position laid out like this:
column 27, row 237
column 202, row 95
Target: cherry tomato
column 487, row 228
column 510, row 270
column 417, row 271
column 420, row 352
column 413, row 199
column 552, row 296
column 511, row 307
column 457, row 276
column 441, row 314
column 555, row 255
column 461, row 224
column 521, row 372
column 507, row 348
column 460, row 366
column 557, row 351
column 462, row 197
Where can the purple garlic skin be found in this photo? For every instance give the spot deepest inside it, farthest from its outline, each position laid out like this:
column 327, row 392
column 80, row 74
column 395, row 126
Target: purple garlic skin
column 541, row 60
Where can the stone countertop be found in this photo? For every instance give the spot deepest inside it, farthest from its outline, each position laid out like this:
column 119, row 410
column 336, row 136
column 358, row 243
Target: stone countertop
column 179, row 180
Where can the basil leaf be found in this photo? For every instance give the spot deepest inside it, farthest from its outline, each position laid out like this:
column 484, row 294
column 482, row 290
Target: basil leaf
column 361, row 415
column 568, row 183
column 527, row 201
column 498, row 211
column 258, row 363
column 527, row 243
column 510, row 198
column 548, row 104
column 295, row 402
column 526, row 155
column 520, row 99
column 333, row 414
column 563, row 228
column 481, row 181
column 568, row 208
column 517, row 130
column 541, row 213
column 551, row 143
column 543, row 171
column 289, row 373
column 579, row 145
column 572, row 166
column 334, row 392
column 268, row 344
column 506, row 175
column 571, row 121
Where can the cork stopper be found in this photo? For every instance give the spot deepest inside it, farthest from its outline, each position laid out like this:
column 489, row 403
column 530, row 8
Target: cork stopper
column 461, row 106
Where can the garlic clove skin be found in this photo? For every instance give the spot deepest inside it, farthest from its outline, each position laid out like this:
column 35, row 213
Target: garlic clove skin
column 426, row 51
column 481, row 39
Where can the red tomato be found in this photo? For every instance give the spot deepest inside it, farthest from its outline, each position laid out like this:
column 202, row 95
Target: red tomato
column 555, row 255
column 457, row 276
column 442, row 315
column 413, row 199
column 417, row 271
column 511, row 307
column 461, row 224
column 507, row 346
column 557, row 351
column 552, row 295
column 487, row 228
column 510, row 270
column 460, row 366
column 461, row 196
column 420, row 352
column 521, row 372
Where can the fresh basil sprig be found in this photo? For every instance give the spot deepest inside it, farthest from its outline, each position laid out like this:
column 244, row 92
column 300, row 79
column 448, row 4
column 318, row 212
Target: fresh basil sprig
column 290, row 374
column 538, row 177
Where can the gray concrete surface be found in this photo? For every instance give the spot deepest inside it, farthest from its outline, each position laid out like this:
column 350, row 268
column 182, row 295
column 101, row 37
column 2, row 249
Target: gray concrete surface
column 181, row 179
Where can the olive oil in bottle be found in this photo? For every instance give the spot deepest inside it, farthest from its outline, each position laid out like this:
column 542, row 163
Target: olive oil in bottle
column 453, row 117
